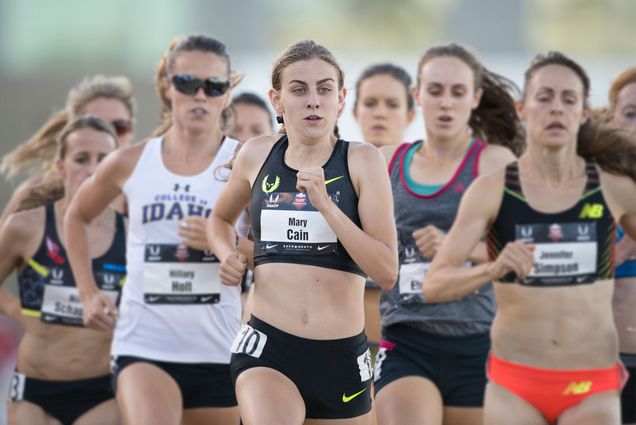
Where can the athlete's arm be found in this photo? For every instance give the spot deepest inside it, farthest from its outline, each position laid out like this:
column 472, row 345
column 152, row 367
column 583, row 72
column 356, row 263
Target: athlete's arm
column 229, row 206
column 374, row 247
column 17, row 236
column 446, row 279
column 620, row 194
column 91, row 199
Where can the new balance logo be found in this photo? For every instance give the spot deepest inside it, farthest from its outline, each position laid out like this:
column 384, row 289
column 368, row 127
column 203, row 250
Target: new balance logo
column 592, row 211
column 578, row 388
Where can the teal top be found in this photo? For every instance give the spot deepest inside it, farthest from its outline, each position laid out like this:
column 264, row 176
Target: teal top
column 419, row 188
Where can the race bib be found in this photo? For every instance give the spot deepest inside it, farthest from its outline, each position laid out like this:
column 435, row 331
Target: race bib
column 249, row 341
column 565, row 253
column 176, row 274
column 61, row 303
column 411, row 277
column 16, row 390
column 291, row 225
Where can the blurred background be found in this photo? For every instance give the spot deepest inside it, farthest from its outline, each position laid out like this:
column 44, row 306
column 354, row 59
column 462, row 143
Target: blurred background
column 46, row 47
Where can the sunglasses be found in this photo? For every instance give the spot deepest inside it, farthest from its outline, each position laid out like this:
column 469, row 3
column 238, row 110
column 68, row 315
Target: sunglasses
column 122, row 126
column 190, row 85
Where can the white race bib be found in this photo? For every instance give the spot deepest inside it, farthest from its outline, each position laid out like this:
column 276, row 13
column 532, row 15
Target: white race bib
column 175, row 274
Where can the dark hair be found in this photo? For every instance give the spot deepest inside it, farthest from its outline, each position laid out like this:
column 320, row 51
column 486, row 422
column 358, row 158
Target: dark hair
column 391, row 70
column 245, row 98
column 303, row 50
column 52, row 189
column 611, row 147
column 495, row 118
column 190, row 43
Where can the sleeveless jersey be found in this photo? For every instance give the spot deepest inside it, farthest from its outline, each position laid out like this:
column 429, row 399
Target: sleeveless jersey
column 628, row 268
column 174, row 307
column 573, row 247
column 286, row 226
column 47, row 287
column 404, row 303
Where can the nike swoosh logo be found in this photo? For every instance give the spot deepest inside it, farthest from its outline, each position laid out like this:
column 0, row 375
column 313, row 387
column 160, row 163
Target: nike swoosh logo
column 206, row 299
column 320, row 248
column 333, row 180
column 347, row 399
column 268, row 246
column 153, row 299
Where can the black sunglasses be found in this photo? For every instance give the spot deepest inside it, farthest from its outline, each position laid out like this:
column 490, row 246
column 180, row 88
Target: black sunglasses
column 122, row 126
column 190, row 85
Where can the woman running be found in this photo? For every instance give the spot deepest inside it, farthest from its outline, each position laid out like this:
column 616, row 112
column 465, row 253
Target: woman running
column 62, row 374
column 550, row 224
column 320, row 224
column 109, row 98
column 622, row 112
column 383, row 108
column 431, row 364
column 247, row 117
column 172, row 339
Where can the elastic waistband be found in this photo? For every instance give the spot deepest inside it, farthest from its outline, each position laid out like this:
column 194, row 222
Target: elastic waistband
column 501, row 367
column 403, row 330
column 86, row 381
column 275, row 333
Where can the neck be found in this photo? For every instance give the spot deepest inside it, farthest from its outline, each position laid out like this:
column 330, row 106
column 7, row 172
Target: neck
column 554, row 165
column 190, row 144
column 444, row 150
column 303, row 152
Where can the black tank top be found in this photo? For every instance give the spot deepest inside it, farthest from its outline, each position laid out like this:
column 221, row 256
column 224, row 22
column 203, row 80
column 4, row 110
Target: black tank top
column 286, row 227
column 46, row 284
column 573, row 247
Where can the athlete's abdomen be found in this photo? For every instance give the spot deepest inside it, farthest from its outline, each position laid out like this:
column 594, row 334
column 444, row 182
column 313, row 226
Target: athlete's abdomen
column 555, row 328
column 309, row 301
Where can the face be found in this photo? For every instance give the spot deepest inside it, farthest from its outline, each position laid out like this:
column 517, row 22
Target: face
column 382, row 110
column 447, row 96
column 198, row 112
column 309, row 99
column 624, row 113
column 85, row 149
column 554, row 107
column 115, row 112
column 249, row 121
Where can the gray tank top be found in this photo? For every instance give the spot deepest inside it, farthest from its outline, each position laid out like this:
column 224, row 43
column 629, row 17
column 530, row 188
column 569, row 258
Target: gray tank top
column 404, row 303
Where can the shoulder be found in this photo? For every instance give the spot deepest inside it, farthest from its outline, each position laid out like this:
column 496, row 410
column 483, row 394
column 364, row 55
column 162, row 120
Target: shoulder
column 363, row 153
column 252, row 154
column 494, row 157
column 389, row 151
column 24, row 225
column 119, row 165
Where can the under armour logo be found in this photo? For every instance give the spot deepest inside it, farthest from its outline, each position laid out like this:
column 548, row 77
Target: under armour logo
column 177, row 186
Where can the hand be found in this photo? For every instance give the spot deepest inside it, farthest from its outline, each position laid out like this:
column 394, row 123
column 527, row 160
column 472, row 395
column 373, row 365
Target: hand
column 193, row 233
column 625, row 250
column 232, row 269
column 429, row 240
column 100, row 312
column 516, row 257
column 311, row 180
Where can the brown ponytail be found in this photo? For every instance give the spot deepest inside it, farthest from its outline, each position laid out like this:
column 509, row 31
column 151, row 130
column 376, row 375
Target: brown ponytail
column 36, row 155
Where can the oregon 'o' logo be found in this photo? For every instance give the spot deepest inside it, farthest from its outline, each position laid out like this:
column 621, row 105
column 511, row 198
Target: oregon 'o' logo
column 270, row 187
